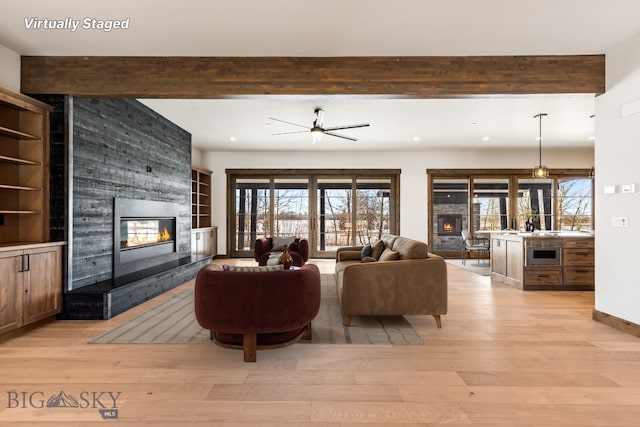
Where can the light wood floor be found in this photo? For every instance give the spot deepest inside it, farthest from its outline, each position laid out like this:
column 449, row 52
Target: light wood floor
column 502, row 358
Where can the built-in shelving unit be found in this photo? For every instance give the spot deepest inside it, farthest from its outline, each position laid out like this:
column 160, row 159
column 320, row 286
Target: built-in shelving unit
column 30, row 265
column 200, row 198
column 24, row 169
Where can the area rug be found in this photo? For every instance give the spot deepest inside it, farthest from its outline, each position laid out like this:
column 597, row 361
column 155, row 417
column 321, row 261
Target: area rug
column 173, row 322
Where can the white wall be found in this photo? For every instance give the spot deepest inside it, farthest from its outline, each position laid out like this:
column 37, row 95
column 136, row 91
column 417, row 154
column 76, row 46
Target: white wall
column 9, row 69
column 617, row 155
column 196, row 157
column 413, row 178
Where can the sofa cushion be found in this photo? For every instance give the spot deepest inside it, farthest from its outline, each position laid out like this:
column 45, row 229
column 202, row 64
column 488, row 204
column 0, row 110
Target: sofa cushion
column 389, row 255
column 367, row 250
column 410, row 249
column 377, row 249
column 279, row 267
column 349, row 256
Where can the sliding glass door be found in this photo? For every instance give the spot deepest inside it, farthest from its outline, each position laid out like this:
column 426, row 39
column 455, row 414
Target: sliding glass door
column 331, row 210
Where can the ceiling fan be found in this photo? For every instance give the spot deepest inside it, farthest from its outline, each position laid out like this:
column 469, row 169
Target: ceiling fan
column 318, row 130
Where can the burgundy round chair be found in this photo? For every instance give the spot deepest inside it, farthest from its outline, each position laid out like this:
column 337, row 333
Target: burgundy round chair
column 299, row 250
column 254, row 310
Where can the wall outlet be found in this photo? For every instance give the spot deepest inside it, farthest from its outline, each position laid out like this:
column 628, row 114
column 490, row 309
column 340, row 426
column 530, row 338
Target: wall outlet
column 619, row 221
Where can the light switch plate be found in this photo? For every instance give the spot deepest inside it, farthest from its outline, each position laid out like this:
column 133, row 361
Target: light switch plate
column 619, row 221
column 628, row 188
column 609, row 189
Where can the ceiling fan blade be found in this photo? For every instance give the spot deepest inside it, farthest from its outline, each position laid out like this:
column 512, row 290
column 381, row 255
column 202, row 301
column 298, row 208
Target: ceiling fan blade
column 289, row 133
column 284, row 121
column 362, row 125
column 340, row 136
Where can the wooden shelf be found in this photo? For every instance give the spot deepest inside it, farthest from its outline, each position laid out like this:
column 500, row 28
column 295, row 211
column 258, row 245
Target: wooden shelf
column 16, row 161
column 17, row 134
column 200, row 195
column 18, row 187
column 18, row 212
column 24, row 168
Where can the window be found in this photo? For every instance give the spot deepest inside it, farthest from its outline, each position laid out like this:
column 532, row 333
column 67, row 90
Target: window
column 332, row 208
column 488, row 200
column 575, row 200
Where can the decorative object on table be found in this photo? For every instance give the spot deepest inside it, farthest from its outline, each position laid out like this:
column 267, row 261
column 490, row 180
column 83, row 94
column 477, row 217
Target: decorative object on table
column 286, row 259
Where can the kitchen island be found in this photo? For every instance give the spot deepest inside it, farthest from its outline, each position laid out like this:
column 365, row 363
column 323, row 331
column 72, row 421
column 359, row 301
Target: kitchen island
column 543, row 260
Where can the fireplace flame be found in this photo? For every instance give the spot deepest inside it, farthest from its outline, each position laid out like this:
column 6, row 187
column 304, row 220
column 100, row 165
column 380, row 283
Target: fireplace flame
column 140, row 239
column 447, row 227
column 164, row 235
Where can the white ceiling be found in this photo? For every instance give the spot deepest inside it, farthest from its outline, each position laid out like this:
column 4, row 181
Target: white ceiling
column 346, row 28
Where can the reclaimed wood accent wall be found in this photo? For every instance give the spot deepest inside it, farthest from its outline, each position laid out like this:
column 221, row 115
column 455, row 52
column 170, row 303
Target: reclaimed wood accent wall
column 121, row 148
column 215, row 77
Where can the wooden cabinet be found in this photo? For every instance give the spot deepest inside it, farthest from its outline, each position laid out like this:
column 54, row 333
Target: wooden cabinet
column 200, row 198
column 24, row 169
column 30, row 285
column 545, row 276
column 573, row 271
column 204, row 241
column 507, row 261
column 578, row 260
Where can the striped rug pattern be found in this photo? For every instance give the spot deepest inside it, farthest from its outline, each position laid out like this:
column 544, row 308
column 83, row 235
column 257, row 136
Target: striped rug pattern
column 173, row 322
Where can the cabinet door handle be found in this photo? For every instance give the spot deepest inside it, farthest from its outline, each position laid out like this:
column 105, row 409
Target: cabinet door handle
column 24, row 263
column 583, row 271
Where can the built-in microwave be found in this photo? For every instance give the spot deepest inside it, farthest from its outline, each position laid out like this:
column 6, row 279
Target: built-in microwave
column 544, row 255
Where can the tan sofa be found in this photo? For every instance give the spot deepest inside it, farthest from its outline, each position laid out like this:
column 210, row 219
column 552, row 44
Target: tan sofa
column 414, row 283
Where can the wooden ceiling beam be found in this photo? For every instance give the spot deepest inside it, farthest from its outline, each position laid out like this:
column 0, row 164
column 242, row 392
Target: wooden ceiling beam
column 220, row 77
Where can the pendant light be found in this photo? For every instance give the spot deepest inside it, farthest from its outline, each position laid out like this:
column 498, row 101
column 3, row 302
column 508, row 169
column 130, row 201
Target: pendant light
column 541, row 170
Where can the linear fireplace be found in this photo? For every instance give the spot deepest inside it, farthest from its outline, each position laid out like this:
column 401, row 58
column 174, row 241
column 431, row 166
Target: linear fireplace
column 145, row 234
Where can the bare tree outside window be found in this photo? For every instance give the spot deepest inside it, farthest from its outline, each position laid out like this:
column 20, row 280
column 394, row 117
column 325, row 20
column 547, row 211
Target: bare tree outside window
column 575, row 204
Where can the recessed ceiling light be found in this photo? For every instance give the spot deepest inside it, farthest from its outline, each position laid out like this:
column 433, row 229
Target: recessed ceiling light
column 591, row 138
column 486, row 138
column 233, row 138
column 416, row 138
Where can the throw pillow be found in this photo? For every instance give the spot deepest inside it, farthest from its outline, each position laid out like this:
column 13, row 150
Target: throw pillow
column 274, row 258
column 389, row 255
column 366, row 252
column 250, row 268
column 278, row 242
column 369, row 259
column 378, row 248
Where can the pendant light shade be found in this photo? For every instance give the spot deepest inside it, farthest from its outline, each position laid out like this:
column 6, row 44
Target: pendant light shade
column 541, row 170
